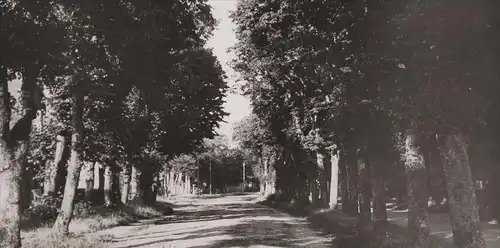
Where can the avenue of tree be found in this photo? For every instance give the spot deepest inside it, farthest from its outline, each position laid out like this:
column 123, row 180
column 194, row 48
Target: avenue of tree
column 376, row 92
column 126, row 85
column 356, row 100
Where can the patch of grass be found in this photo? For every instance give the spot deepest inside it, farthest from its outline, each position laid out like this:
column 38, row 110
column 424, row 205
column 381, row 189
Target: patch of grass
column 295, row 208
column 88, row 219
column 98, row 218
column 46, row 237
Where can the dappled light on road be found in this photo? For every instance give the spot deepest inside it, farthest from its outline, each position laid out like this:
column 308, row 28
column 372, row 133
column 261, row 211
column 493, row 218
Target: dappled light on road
column 221, row 221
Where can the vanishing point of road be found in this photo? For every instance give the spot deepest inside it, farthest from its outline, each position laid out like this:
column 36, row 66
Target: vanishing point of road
column 219, row 221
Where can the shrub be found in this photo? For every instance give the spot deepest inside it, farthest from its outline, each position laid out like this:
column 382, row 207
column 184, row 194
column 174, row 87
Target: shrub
column 41, row 212
column 84, row 208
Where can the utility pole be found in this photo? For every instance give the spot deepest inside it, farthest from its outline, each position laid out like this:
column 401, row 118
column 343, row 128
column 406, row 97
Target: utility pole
column 210, row 164
column 198, row 176
column 244, row 179
column 165, row 181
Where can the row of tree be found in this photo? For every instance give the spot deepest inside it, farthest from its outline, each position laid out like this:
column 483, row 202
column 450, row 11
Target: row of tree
column 128, row 84
column 214, row 167
column 388, row 88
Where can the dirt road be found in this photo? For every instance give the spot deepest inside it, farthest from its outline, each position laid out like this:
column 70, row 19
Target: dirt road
column 219, row 221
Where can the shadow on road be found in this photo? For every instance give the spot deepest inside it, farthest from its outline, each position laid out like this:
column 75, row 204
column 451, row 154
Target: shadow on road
column 222, row 225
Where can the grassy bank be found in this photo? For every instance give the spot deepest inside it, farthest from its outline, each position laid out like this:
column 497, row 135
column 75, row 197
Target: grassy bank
column 37, row 222
column 345, row 228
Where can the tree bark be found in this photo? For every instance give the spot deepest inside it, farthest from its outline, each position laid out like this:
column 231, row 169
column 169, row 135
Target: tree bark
column 313, row 182
column 154, row 191
column 266, row 177
column 179, row 183
column 165, row 181
column 365, row 189
column 418, row 223
column 334, row 180
column 125, row 184
column 171, row 178
column 378, row 183
column 186, row 186
column 115, row 187
column 99, row 177
column 343, row 183
column 379, row 207
column 134, row 194
column 435, row 174
column 10, row 194
column 146, row 187
column 14, row 147
column 461, row 193
column 350, row 205
column 108, row 185
column 52, row 167
column 323, row 178
column 74, row 167
column 26, row 186
column 89, row 180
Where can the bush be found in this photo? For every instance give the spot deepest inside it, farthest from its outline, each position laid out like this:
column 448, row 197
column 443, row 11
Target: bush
column 43, row 211
column 84, row 208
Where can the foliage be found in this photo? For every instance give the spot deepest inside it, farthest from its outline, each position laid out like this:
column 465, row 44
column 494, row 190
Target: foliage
column 40, row 212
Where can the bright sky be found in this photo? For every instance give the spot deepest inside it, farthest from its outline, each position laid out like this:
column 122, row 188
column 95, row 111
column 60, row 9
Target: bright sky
column 224, row 37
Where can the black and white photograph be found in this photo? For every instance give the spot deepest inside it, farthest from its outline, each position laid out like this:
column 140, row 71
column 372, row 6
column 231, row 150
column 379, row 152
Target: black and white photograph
column 249, row 123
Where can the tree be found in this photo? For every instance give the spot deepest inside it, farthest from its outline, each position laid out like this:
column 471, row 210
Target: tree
column 30, row 35
column 348, row 74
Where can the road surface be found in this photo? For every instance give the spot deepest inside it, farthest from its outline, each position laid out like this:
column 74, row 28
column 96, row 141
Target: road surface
column 219, row 221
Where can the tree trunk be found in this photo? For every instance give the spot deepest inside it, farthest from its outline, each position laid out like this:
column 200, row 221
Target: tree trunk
column 146, row 187
column 313, row 174
column 26, row 186
column 99, row 177
column 10, row 194
column 134, row 193
column 89, row 180
column 125, row 184
column 334, row 180
column 365, row 189
column 461, row 193
column 350, row 205
column 74, row 167
column 323, row 178
column 343, row 183
column 179, row 183
column 52, row 167
column 379, row 207
column 165, row 181
column 115, row 187
column 14, row 147
column 418, row 223
column 266, row 177
column 154, row 191
column 272, row 183
column 108, row 185
column 314, row 191
column 186, row 187
column 171, row 184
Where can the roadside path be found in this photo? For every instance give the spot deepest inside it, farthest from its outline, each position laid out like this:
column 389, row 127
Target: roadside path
column 219, row 221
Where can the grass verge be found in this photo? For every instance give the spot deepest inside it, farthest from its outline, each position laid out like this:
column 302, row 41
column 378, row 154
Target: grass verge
column 37, row 232
column 344, row 228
